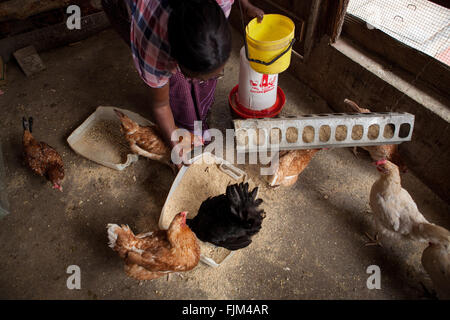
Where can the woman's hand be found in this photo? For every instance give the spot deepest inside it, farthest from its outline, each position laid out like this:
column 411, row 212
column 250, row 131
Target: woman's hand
column 183, row 146
column 162, row 114
column 251, row 11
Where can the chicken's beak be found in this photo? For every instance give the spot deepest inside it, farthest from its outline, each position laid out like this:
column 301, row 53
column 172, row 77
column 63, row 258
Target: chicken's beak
column 382, row 169
column 380, row 166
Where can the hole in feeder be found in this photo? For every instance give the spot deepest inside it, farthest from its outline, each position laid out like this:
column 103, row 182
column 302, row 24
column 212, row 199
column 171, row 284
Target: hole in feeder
column 259, row 136
column 242, row 137
column 291, row 135
column 389, row 130
column 374, row 131
column 404, row 130
column 275, row 136
column 308, row 134
column 324, row 133
column 357, row 132
column 341, row 133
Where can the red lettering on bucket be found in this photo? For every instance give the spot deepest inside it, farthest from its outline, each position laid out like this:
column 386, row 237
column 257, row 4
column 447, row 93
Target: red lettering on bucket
column 264, row 86
column 265, row 81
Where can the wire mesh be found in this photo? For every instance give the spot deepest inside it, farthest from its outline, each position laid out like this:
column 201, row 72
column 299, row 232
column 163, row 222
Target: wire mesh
column 420, row 24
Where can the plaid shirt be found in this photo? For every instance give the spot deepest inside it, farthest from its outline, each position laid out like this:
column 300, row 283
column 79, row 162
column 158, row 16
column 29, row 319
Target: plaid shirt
column 149, row 39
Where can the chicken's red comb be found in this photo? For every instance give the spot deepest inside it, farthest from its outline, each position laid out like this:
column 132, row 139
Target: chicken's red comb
column 57, row 186
column 380, row 162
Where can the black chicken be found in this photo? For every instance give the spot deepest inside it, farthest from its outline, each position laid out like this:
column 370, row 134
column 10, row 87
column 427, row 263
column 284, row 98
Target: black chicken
column 229, row 220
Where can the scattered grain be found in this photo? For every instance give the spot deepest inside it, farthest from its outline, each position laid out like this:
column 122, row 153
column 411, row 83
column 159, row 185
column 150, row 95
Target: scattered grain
column 106, row 140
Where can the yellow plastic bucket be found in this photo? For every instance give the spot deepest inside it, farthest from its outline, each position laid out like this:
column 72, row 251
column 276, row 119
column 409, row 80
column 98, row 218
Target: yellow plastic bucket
column 268, row 40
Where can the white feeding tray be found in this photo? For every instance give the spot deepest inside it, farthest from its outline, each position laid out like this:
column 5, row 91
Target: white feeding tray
column 336, row 130
column 193, row 185
column 100, row 139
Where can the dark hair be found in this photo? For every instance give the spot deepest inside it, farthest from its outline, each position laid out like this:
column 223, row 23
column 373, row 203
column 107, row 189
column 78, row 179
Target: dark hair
column 199, row 35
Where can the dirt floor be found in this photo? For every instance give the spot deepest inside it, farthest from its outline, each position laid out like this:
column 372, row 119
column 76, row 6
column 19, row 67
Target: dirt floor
column 311, row 245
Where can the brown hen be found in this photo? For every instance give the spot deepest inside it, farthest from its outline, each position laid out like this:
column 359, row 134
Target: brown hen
column 41, row 158
column 291, row 164
column 147, row 141
column 387, row 151
column 153, row 254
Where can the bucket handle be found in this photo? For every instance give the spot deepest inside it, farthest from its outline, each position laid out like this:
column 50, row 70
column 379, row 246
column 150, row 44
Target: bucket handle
column 246, row 46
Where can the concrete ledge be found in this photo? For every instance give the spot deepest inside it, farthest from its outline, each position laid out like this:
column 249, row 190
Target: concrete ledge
column 404, row 82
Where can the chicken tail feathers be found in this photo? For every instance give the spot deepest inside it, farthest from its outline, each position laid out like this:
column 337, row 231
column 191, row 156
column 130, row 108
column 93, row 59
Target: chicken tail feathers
column 244, row 204
column 112, row 235
column 120, row 237
column 27, row 136
column 354, row 106
column 27, row 124
column 229, row 220
column 432, row 233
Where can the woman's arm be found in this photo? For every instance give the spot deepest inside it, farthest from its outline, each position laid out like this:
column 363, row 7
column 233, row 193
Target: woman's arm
column 161, row 112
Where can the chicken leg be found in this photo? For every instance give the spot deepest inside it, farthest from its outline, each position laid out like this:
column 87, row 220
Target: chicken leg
column 374, row 241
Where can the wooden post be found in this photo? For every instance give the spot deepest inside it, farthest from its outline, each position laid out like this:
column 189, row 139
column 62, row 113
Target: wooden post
column 53, row 36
